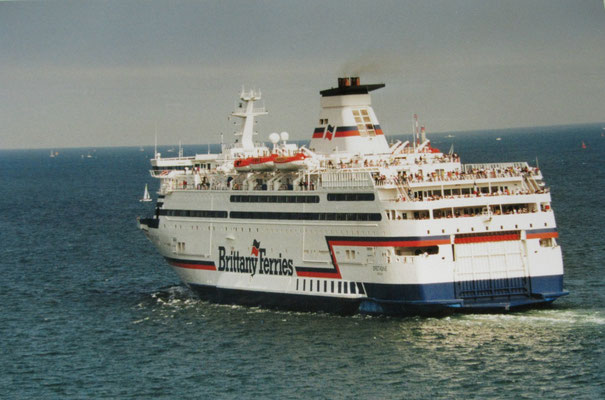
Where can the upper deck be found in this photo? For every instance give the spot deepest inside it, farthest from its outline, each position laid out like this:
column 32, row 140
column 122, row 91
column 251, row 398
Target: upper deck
column 348, row 153
column 438, row 179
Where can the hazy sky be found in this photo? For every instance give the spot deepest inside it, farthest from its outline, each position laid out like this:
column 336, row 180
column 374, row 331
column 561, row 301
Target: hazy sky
column 107, row 73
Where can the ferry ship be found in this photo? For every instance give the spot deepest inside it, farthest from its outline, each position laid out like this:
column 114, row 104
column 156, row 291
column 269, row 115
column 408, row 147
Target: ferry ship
column 352, row 224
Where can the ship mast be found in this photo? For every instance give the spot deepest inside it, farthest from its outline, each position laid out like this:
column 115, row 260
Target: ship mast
column 247, row 112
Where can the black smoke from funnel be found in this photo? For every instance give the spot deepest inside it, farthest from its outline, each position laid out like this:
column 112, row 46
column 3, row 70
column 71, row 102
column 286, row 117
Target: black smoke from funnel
column 374, row 66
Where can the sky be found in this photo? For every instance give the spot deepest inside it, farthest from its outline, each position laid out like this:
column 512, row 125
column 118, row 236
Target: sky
column 113, row 73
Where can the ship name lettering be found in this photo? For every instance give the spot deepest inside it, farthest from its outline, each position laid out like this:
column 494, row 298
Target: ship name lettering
column 261, row 264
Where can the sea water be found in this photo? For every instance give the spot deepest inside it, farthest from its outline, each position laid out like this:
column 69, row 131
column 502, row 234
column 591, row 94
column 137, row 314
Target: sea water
column 88, row 309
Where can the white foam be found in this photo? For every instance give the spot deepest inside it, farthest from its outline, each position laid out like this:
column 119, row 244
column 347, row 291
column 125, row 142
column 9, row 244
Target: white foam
column 558, row 317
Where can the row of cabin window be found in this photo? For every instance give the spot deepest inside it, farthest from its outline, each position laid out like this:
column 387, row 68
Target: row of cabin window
column 273, row 215
column 458, row 191
column 462, row 211
column 350, row 196
column 306, row 216
column 331, row 287
column 301, row 199
column 273, row 199
column 194, row 213
column 496, row 209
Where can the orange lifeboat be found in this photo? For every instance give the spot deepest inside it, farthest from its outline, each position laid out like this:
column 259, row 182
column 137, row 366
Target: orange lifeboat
column 242, row 164
column 264, row 163
column 290, row 163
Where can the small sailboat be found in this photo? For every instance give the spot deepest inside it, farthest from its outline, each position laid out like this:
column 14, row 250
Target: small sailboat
column 583, row 145
column 146, row 196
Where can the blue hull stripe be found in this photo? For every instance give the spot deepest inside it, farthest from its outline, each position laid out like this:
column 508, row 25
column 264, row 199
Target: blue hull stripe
column 544, row 230
column 390, row 299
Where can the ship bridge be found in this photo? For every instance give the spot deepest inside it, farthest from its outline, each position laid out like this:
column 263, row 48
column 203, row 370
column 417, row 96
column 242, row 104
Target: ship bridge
column 347, row 122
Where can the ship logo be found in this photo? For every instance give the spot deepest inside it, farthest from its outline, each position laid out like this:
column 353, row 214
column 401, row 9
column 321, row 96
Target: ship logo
column 329, row 132
column 256, row 262
column 255, row 247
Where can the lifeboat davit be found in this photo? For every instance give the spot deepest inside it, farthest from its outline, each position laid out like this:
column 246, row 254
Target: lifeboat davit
column 264, row 163
column 242, row 164
column 290, row 163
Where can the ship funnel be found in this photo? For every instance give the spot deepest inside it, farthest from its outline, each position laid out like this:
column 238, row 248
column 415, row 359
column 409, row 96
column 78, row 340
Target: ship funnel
column 343, row 82
column 347, row 122
column 347, row 82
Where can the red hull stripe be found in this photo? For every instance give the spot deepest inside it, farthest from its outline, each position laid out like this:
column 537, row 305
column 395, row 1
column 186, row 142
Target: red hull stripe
column 347, row 133
column 393, row 243
column 481, row 239
column 507, row 235
column 190, row 264
column 194, row 266
column 318, row 133
column 326, row 275
column 542, row 235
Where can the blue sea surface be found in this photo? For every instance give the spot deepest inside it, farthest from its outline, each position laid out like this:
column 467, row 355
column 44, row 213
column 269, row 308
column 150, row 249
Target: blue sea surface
column 88, row 309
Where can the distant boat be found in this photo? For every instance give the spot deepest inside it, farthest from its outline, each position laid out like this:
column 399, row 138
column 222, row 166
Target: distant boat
column 498, row 138
column 450, row 136
column 583, row 145
column 53, row 154
column 146, row 196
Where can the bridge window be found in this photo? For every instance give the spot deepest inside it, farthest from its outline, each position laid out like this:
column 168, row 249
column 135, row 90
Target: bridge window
column 363, row 122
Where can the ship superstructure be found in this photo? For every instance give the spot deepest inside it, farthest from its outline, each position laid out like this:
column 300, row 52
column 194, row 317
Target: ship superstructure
column 353, row 224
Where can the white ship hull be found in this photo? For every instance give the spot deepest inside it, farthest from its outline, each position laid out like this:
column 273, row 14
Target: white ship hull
column 350, row 266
